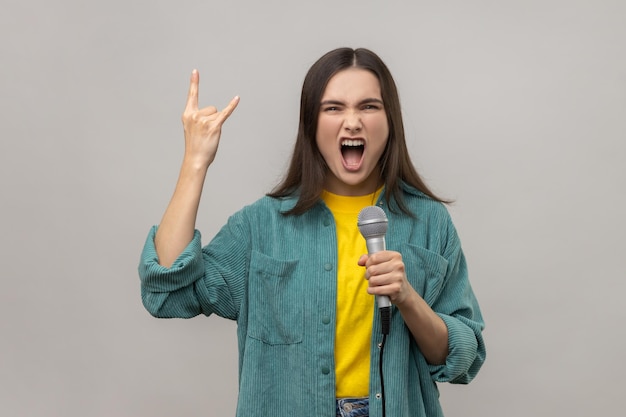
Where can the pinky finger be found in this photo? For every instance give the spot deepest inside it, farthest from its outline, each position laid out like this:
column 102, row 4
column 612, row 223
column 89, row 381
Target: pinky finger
column 228, row 110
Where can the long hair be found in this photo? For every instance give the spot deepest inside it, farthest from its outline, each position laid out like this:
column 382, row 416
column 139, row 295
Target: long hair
column 307, row 170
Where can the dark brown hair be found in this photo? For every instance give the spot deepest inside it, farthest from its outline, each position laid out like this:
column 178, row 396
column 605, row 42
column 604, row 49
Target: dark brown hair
column 307, row 170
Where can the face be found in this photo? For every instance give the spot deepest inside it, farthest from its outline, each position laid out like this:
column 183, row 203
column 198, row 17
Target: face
column 352, row 132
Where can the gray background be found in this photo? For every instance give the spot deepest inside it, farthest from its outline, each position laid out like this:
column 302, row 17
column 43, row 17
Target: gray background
column 517, row 110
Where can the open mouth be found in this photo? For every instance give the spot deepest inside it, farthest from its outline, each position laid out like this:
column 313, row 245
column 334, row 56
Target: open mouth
column 352, row 152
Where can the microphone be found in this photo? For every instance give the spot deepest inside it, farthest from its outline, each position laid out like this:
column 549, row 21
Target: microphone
column 372, row 224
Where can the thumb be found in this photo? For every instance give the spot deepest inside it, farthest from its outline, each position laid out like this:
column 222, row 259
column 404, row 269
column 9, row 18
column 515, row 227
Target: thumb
column 363, row 260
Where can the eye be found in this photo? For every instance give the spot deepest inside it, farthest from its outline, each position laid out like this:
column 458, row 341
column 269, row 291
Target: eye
column 371, row 107
column 331, row 109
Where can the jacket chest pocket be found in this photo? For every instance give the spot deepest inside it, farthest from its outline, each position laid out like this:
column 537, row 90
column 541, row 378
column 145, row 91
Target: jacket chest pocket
column 426, row 271
column 275, row 298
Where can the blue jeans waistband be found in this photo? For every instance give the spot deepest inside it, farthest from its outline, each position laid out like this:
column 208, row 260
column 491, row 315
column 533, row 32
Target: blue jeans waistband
column 353, row 407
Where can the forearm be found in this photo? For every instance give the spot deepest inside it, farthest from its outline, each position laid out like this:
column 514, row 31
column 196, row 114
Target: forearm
column 177, row 226
column 428, row 329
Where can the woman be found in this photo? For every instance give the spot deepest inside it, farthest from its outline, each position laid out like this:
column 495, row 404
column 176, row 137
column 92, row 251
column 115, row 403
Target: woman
column 292, row 268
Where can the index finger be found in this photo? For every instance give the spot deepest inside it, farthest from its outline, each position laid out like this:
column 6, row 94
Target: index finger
column 192, row 96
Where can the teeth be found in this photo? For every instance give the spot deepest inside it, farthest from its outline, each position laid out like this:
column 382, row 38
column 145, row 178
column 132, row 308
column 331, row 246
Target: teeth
column 350, row 142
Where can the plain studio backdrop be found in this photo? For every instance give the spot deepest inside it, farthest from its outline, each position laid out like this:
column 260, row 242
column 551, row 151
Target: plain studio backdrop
column 514, row 109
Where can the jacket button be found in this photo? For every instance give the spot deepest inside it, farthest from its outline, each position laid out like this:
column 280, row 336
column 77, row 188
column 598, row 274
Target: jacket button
column 325, row 370
column 325, row 319
column 328, row 267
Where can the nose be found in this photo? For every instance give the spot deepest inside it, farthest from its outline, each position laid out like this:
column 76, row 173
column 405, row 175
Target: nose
column 352, row 122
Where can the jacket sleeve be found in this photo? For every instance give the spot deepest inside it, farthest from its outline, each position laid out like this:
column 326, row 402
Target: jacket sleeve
column 202, row 280
column 459, row 309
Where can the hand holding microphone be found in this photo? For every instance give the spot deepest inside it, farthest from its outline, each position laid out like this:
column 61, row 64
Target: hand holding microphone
column 372, row 224
column 383, row 270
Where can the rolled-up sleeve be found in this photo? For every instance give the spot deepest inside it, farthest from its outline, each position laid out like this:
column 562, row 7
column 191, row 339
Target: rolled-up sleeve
column 202, row 280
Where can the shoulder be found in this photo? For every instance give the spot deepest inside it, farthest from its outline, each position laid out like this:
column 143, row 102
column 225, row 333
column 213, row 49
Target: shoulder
column 266, row 210
column 430, row 223
column 423, row 206
column 269, row 205
column 428, row 214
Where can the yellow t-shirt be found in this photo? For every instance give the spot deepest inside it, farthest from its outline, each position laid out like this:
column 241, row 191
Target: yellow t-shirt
column 355, row 307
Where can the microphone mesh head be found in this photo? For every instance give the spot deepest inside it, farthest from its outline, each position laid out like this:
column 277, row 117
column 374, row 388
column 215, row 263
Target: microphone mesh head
column 372, row 221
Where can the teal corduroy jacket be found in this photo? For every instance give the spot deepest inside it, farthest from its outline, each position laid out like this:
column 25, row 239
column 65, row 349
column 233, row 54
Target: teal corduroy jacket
column 276, row 276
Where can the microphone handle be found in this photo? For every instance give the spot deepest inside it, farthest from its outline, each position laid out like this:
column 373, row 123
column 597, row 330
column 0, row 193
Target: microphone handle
column 377, row 244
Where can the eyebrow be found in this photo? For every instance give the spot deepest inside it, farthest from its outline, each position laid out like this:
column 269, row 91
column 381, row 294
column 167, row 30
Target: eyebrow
column 364, row 101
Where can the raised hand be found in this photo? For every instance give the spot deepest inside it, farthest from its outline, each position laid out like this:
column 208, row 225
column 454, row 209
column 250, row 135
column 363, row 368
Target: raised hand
column 203, row 127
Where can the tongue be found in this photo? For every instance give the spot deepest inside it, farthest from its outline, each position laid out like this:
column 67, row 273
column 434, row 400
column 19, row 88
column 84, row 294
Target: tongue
column 352, row 156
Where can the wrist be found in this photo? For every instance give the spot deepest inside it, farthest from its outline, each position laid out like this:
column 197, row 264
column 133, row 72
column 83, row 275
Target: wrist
column 407, row 301
column 195, row 165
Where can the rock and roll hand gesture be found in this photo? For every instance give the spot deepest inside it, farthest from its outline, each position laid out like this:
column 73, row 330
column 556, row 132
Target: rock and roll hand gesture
column 203, row 127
